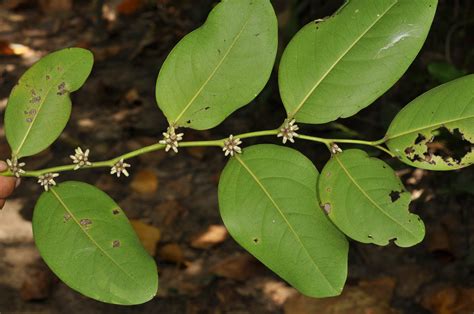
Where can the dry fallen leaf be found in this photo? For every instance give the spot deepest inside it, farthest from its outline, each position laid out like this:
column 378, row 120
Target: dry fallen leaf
column 145, row 182
column 148, row 235
column 214, row 235
column 449, row 300
column 172, row 252
column 238, row 267
column 369, row 297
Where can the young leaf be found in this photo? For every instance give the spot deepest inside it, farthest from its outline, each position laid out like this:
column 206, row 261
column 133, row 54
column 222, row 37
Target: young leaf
column 448, row 108
column 335, row 67
column 39, row 105
column 88, row 242
column 268, row 202
column 221, row 66
column 367, row 201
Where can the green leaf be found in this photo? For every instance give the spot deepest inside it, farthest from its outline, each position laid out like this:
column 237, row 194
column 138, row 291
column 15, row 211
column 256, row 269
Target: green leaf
column 444, row 71
column 88, row 242
column 336, row 67
column 221, row 66
column 39, row 105
column 268, row 202
column 366, row 200
column 436, row 130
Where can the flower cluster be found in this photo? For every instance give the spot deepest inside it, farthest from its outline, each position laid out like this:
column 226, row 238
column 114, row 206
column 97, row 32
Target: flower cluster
column 171, row 139
column 15, row 167
column 231, row 146
column 119, row 168
column 288, row 131
column 80, row 158
column 47, row 180
column 335, row 149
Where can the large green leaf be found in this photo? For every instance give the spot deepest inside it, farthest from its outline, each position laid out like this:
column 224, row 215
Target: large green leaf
column 221, row 66
column 39, row 105
column 367, row 201
column 268, row 202
column 335, row 67
column 88, row 242
column 412, row 135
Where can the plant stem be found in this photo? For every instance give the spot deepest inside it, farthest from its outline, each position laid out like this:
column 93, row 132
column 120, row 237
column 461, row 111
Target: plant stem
column 213, row 143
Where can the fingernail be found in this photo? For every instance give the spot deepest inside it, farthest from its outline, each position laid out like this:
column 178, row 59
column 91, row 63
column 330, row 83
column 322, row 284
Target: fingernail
column 3, row 166
column 17, row 183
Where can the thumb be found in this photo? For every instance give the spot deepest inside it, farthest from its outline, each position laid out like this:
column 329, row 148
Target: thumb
column 3, row 166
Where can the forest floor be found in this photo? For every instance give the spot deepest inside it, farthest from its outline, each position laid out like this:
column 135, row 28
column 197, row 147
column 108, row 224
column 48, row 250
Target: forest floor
column 172, row 199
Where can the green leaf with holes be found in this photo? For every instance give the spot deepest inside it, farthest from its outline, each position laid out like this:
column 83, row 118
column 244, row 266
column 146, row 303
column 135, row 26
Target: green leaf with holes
column 268, row 202
column 39, row 105
column 335, row 67
column 221, row 66
column 366, row 200
column 88, row 242
column 436, row 130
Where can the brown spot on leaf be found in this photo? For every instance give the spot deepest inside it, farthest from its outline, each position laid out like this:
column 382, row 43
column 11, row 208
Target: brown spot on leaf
column 48, row 77
column 35, row 100
column 116, row 243
column 67, row 216
column 115, row 211
column 62, row 89
column 85, row 222
column 326, row 208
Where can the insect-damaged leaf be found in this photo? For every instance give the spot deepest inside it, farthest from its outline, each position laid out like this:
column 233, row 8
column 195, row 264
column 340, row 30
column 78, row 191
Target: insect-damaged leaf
column 39, row 105
column 423, row 133
column 367, row 201
column 221, row 66
column 88, row 242
column 335, row 67
column 268, row 202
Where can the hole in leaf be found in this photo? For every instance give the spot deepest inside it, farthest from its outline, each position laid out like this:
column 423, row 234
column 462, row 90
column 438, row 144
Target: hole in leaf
column 420, row 138
column 256, row 240
column 115, row 211
column 449, row 145
column 395, row 195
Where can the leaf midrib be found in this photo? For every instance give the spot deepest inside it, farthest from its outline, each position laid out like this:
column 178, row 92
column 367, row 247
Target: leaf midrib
column 219, row 64
column 46, row 95
column 346, row 171
column 265, row 191
column 302, row 103
column 438, row 124
column 60, row 200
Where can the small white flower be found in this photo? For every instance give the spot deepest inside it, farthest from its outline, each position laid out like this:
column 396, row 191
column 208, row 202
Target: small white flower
column 288, row 131
column 119, row 168
column 335, row 149
column 15, row 167
column 171, row 139
column 231, row 146
column 80, row 158
column 47, row 180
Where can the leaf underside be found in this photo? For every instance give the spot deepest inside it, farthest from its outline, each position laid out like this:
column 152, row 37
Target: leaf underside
column 413, row 134
column 336, row 67
column 88, row 242
column 268, row 202
column 367, row 201
column 39, row 105
column 221, row 66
